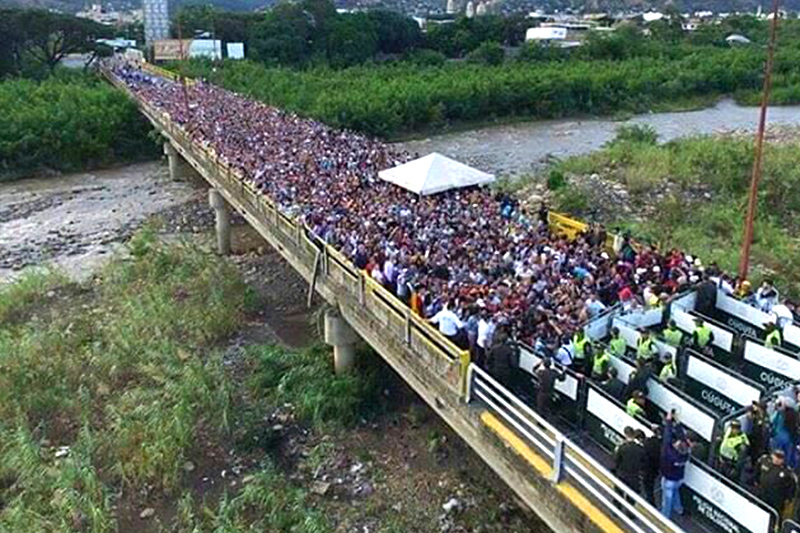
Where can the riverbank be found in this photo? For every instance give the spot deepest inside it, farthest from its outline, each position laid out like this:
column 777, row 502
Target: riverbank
column 524, row 147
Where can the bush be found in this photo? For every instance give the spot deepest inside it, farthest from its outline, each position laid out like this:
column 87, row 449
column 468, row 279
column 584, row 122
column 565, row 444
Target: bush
column 488, row 53
column 425, row 57
column 637, row 133
column 556, row 180
column 68, row 122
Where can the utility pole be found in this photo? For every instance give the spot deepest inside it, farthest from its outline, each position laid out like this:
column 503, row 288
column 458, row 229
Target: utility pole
column 180, row 68
column 747, row 239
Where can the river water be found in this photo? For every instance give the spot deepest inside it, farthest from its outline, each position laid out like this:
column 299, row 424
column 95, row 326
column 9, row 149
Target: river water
column 520, row 148
column 76, row 222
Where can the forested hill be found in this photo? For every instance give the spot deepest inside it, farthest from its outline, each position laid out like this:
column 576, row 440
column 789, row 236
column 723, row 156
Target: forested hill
column 73, row 6
column 718, row 6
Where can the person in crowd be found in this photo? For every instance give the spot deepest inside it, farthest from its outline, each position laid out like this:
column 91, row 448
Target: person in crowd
column 646, row 348
column 503, row 356
column 706, row 294
column 546, row 377
column 672, row 335
column 601, row 364
column 674, row 456
column 669, row 372
column 594, row 306
column 775, row 482
column 702, row 336
column 733, row 451
column 754, row 425
column 636, row 404
column 612, row 385
column 629, row 460
column 564, row 355
column 485, row 334
column 582, row 352
column 639, row 378
column 784, row 431
column 773, row 339
column 449, row 323
column 767, row 296
column 617, row 345
column 652, row 465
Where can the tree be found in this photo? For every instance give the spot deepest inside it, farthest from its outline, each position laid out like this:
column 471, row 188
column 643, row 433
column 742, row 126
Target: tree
column 396, row 33
column 48, row 37
column 350, row 40
column 488, row 53
column 282, row 38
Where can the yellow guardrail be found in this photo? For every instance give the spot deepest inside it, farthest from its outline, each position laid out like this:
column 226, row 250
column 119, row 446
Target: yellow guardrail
column 450, row 361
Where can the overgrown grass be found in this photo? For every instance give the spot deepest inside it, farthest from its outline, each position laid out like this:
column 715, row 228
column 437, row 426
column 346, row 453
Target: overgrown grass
column 305, row 380
column 26, row 291
column 126, row 386
column 711, row 228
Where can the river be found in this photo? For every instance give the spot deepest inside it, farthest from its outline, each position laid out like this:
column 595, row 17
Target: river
column 516, row 149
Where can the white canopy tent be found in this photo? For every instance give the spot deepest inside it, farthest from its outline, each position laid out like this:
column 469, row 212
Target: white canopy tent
column 434, row 173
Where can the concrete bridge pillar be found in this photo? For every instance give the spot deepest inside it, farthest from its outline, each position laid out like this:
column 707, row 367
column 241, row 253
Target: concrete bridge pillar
column 341, row 336
column 179, row 169
column 217, row 202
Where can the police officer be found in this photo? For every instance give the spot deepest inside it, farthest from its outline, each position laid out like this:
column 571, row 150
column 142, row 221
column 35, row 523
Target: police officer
column 600, row 364
column 617, row 344
column 581, row 352
column 702, row 336
column 733, row 450
column 669, row 372
column 635, row 405
column 672, row 335
column 773, row 339
column 775, row 482
column 645, row 347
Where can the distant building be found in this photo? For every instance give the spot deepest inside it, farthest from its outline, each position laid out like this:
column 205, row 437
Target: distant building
column 546, row 34
column 470, row 9
column 99, row 14
column 156, row 20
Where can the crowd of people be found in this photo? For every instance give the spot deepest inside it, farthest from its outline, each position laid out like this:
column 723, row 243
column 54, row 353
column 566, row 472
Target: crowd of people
column 472, row 262
column 471, row 252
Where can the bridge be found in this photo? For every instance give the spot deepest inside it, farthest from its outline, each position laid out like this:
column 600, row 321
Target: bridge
column 562, row 475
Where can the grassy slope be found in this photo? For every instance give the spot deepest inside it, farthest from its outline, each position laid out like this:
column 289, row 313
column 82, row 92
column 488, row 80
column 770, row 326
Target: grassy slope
column 123, row 373
column 129, row 373
column 709, row 228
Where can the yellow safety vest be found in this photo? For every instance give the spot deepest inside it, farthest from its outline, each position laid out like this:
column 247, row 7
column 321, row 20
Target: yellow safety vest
column 730, row 446
column 618, row 346
column 673, row 337
column 644, row 349
column 633, row 408
column 600, row 361
column 773, row 339
column 580, row 348
column 667, row 372
column 703, row 335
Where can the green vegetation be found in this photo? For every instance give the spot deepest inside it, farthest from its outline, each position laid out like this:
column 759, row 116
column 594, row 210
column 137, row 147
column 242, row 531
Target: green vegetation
column 391, row 99
column 303, row 379
column 124, row 384
column 68, row 122
column 109, row 387
column 707, row 226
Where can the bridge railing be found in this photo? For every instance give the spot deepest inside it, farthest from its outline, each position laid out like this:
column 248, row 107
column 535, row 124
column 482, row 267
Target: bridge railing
column 555, row 456
column 396, row 320
column 564, row 463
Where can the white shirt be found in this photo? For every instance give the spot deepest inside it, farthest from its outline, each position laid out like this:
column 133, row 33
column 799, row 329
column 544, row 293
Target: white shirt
column 485, row 333
column 564, row 355
column 448, row 321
